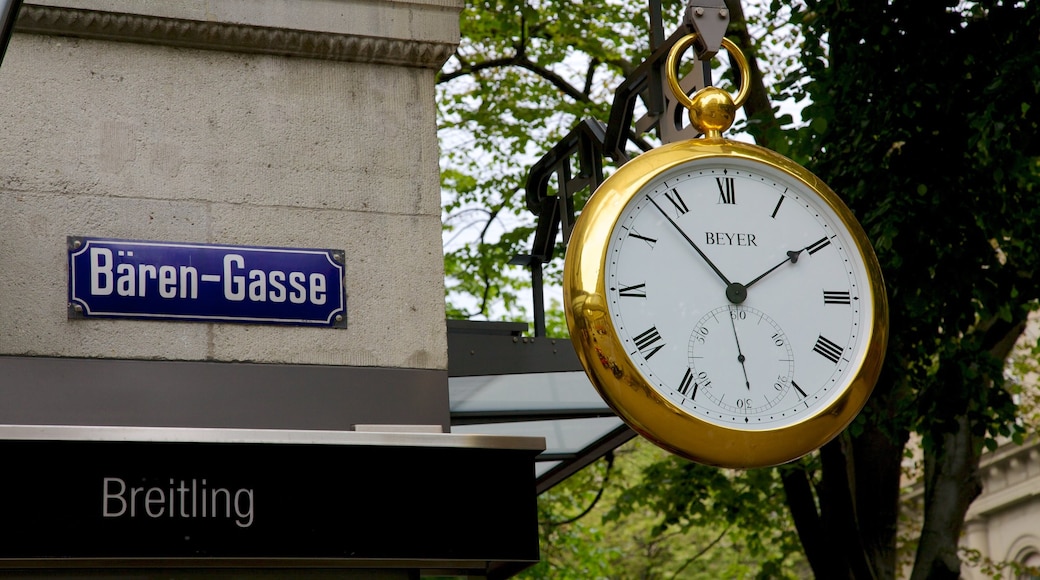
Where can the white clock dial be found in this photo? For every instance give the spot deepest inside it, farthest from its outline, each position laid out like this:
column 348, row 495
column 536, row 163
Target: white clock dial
column 718, row 251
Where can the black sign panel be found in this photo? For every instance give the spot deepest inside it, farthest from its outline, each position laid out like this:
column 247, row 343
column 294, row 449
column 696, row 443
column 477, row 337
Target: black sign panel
column 162, row 500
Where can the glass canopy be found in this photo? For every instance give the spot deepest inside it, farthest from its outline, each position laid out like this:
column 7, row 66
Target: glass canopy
column 503, row 383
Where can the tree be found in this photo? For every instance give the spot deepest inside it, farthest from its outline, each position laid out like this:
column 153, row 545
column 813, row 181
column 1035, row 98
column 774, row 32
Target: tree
column 933, row 141
column 923, row 118
column 522, row 77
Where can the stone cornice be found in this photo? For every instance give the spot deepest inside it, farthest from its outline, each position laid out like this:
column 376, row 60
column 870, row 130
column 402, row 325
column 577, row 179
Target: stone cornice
column 235, row 37
column 1009, row 475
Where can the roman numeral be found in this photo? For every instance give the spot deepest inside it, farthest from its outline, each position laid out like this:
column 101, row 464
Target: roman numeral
column 637, row 291
column 777, row 208
column 827, row 349
column 837, row 297
column 818, row 245
column 680, row 205
column 687, row 381
column 726, row 192
column 650, row 241
column 799, row 389
column 646, row 342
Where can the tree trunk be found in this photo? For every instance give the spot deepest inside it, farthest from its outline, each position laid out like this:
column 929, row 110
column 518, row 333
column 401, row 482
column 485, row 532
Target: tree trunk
column 848, row 529
column 951, row 475
column 838, row 510
column 952, row 482
column 878, row 470
column 825, row 561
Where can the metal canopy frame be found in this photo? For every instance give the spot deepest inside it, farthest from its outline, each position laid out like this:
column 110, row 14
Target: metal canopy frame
column 8, row 14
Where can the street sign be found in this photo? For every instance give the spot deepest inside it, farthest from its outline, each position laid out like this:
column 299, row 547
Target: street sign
column 206, row 282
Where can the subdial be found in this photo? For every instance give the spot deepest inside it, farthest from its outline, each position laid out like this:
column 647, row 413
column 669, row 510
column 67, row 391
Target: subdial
column 741, row 360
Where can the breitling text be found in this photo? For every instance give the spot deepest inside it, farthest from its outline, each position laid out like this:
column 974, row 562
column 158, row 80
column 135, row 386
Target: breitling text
column 186, row 499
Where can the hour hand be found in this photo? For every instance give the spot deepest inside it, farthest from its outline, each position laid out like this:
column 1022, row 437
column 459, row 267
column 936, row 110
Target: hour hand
column 792, row 256
column 704, row 256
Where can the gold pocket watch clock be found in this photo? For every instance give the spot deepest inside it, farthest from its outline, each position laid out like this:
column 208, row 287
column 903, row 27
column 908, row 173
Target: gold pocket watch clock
column 722, row 299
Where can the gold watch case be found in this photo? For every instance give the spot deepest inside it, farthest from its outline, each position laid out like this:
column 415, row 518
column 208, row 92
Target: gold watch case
column 618, row 379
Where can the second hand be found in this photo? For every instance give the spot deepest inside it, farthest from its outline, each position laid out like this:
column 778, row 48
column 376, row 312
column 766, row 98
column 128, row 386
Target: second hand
column 740, row 353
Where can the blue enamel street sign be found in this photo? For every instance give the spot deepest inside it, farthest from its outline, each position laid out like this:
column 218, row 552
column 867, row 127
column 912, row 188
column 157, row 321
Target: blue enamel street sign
column 206, row 282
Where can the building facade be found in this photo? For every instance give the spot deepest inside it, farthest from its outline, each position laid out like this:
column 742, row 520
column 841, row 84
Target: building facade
column 1003, row 525
column 252, row 128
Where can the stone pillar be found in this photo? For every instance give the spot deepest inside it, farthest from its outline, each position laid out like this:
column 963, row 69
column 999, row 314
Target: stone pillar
column 302, row 124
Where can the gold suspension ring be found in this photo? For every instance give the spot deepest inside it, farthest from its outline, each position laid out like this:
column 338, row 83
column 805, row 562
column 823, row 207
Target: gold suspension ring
column 711, row 109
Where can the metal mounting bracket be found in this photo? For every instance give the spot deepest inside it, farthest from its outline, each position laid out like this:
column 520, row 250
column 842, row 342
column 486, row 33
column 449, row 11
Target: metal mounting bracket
column 709, row 19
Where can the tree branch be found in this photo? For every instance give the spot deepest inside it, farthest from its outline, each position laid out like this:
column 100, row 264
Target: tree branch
column 703, row 551
column 589, row 74
column 468, row 69
column 520, row 60
column 1001, row 335
column 554, row 79
column 603, row 486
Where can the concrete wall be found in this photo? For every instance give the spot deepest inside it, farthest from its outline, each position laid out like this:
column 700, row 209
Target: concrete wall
column 186, row 121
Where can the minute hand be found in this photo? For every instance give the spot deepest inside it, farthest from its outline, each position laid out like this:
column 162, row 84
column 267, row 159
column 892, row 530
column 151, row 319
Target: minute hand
column 691, row 242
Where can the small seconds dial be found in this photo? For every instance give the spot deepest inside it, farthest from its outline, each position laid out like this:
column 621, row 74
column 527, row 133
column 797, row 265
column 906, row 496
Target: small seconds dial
column 741, row 365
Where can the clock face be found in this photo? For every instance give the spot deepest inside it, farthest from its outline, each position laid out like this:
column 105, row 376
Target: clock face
column 737, row 292
column 725, row 303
